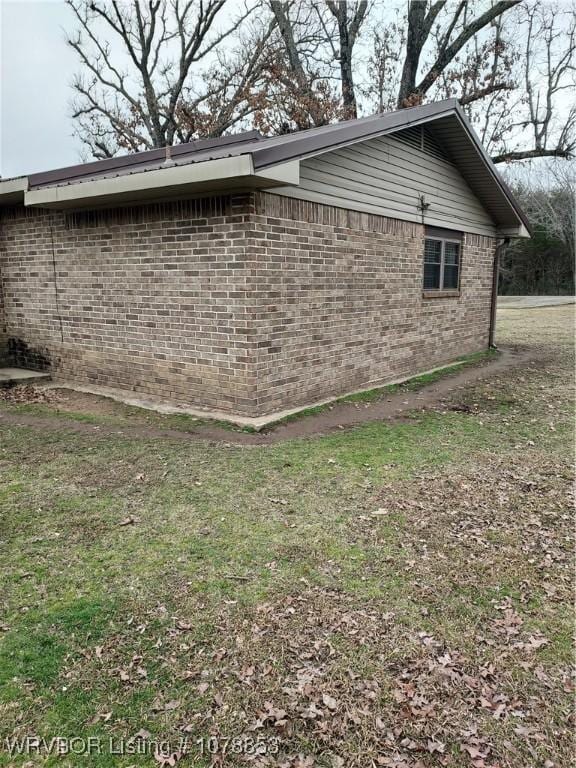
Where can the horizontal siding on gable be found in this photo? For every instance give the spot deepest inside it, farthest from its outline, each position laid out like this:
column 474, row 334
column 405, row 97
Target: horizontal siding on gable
column 387, row 176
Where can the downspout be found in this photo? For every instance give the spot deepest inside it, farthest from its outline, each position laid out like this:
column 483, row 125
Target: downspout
column 495, row 273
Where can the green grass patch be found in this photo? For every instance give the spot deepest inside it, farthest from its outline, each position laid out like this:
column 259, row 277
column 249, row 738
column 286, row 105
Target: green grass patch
column 33, row 651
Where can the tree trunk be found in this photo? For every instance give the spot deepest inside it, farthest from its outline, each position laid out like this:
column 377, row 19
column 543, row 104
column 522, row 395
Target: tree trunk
column 348, row 92
column 414, row 44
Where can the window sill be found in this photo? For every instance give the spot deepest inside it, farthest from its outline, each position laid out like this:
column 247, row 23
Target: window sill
column 440, row 294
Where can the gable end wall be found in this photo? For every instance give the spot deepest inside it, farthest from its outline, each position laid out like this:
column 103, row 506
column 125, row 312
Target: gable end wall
column 388, row 175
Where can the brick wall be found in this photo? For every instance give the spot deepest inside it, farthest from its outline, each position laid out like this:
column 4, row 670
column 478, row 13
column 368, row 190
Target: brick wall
column 151, row 298
column 247, row 304
column 3, row 334
column 341, row 305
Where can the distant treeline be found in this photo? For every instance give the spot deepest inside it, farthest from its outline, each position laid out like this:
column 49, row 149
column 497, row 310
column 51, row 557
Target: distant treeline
column 543, row 265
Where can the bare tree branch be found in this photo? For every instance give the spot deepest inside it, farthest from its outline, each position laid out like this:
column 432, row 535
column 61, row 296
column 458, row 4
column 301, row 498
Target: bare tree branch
column 420, row 23
column 449, row 52
column 483, row 92
column 531, row 154
column 310, row 98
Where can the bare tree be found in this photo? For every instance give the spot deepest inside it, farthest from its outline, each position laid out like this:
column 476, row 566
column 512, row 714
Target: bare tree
column 511, row 66
column 549, row 66
column 155, row 72
column 138, row 63
column 544, row 264
column 385, row 45
column 420, row 21
column 484, row 80
column 551, row 203
column 484, row 72
column 236, row 85
column 319, row 38
column 304, row 71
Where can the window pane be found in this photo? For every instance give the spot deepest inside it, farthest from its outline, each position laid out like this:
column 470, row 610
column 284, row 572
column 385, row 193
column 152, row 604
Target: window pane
column 431, row 276
column 450, row 275
column 451, row 264
column 432, row 251
column 451, row 252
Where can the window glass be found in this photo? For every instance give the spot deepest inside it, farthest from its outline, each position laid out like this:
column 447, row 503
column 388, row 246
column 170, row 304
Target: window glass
column 432, row 264
column 441, row 264
column 432, row 251
column 451, row 252
column 451, row 267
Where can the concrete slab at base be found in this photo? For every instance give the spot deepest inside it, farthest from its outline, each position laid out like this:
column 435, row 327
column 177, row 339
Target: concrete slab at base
column 22, row 376
column 256, row 423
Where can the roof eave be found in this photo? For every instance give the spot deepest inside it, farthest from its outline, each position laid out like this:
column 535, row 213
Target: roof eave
column 487, row 160
column 138, row 161
column 12, row 191
column 231, row 173
column 519, row 231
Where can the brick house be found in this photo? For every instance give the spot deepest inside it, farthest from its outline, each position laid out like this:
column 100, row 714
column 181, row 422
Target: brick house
column 248, row 276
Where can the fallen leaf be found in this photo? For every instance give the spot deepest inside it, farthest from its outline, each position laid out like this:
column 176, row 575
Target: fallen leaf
column 329, row 701
column 435, row 746
column 130, row 520
column 183, row 626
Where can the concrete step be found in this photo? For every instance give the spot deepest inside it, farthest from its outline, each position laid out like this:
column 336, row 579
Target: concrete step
column 11, row 376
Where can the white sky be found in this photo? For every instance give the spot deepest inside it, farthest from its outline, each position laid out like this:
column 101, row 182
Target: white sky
column 36, row 68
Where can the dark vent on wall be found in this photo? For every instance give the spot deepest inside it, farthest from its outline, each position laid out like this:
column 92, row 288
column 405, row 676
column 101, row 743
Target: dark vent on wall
column 20, row 212
column 201, row 208
column 420, row 138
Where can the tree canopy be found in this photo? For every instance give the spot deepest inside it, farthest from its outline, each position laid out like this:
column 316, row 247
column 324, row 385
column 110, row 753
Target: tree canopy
column 158, row 72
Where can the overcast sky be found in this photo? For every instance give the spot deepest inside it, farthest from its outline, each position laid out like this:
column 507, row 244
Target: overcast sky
column 36, row 69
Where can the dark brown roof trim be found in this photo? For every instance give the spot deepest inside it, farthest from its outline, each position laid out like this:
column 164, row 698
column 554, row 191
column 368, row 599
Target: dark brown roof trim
column 275, row 150
column 137, row 159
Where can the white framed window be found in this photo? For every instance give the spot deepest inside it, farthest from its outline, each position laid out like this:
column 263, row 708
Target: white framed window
column 442, row 256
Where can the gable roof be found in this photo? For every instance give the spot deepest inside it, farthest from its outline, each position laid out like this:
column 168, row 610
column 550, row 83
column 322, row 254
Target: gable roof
column 249, row 160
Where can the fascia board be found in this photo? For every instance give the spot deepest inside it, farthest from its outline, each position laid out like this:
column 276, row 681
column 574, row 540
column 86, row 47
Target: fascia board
column 162, row 180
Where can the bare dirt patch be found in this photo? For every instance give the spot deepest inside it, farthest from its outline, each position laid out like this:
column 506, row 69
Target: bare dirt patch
column 340, row 415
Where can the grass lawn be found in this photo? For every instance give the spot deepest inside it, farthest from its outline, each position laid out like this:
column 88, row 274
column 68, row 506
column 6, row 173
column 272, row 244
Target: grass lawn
column 397, row 594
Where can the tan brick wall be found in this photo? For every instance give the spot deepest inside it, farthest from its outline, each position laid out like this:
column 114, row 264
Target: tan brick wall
column 151, row 298
column 341, row 305
column 3, row 334
column 245, row 304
